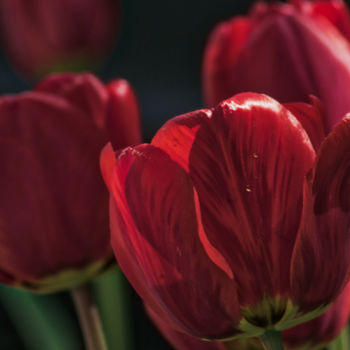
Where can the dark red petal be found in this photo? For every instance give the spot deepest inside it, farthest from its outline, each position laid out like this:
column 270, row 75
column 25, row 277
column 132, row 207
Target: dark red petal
column 177, row 135
column 84, row 91
column 179, row 340
column 247, row 164
column 224, row 46
column 123, row 115
column 311, row 118
column 321, row 259
column 156, row 241
column 54, row 202
column 323, row 329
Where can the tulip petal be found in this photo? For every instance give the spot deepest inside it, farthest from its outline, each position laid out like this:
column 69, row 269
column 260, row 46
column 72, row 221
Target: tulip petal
column 156, row 242
column 321, row 260
column 84, row 91
column 123, row 115
column 247, row 164
column 177, row 135
column 311, row 118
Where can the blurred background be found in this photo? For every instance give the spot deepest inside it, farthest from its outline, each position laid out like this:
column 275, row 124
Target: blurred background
column 159, row 51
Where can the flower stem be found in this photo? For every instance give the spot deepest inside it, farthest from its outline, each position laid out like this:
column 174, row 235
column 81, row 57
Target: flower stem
column 110, row 292
column 89, row 318
column 272, row 340
column 44, row 322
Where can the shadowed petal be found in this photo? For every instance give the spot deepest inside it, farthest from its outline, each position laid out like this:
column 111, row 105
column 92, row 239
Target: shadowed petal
column 156, row 242
column 321, row 259
column 311, row 118
column 247, row 164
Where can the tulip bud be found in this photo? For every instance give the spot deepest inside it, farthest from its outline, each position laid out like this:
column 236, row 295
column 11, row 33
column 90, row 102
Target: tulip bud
column 54, row 210
column 287, row 51
column 43, row 36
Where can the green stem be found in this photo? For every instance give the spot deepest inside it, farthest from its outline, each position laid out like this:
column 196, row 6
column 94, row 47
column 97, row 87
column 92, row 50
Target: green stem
column 89, row 318
column 272, row 340
column 110, row 291
column 342, row 342
column 42, row 321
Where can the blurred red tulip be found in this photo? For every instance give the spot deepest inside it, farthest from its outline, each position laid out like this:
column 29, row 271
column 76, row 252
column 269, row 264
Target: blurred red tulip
column 287, row 51
column 42, row 36
column 54, row 209
column 208, row 221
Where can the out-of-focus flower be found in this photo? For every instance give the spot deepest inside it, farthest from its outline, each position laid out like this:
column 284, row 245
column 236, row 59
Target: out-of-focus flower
column 287, row 51
column 212, row 226
column 43, row 36
column 54, row 209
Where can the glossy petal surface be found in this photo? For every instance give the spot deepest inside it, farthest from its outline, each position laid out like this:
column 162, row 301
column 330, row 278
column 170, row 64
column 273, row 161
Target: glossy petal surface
column 247, row 164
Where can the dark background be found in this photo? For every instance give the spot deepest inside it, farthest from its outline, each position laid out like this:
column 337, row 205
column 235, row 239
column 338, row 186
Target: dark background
column 159, row 51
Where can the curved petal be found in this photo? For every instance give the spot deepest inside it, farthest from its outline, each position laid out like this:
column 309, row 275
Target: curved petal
column 311, row 118
column 176, row 136
column 247, row 164
column 84, row 91
column 155, row 239
column 123, row 115
column 321, row 260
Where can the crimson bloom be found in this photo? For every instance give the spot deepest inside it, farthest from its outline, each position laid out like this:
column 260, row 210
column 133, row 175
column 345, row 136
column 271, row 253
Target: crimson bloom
column 43, row 36
column 287, row 51
column 54, row 210
column 216, row 226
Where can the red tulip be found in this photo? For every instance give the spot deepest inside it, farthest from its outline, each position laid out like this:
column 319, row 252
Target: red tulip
column 43, row 36
column 53, row 214
column 287, row 51
column 211, row 225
